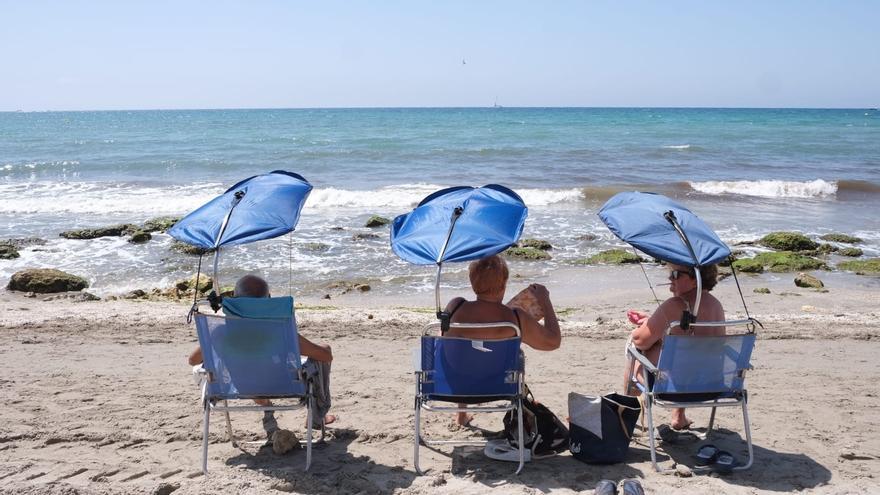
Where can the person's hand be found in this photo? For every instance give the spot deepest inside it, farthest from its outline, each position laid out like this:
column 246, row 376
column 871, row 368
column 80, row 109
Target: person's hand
column 636, row 317
column 541, row 294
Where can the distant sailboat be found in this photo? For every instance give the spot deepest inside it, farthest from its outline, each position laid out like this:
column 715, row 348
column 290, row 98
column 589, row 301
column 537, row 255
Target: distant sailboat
column 496, row 105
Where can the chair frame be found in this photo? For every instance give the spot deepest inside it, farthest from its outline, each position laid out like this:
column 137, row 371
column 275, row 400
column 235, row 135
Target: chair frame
column 739, row 398
column 422, row 400
column 212, row 403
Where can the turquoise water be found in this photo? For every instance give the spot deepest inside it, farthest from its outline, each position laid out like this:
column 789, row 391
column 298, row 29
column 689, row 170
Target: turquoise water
column 745, row 171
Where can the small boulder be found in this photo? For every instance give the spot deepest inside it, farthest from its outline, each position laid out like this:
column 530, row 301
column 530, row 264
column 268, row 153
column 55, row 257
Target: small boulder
column 317, row 247
column 807, row 280
column 8, row 252
column 182, row 247
column 843, row 238
column 363, row 236
column 135, row 294
column 611, row 257
column 188, row 285
column 283, row 441
column 852, row 252
column 23, row 242
column 377, row 221
column 869, row 266
column 140, row 237
column 826, row 248
column 787, row 261
column 535, row 243
column 788, row 241
column 761, row 290
column 586, row 237
column 748, row 265
column 45, row 281
column 111, row 231
column 526, row 253
column 159, row 224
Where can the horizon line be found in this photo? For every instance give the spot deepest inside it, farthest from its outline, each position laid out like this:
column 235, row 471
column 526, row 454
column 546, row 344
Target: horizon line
column 500, row 107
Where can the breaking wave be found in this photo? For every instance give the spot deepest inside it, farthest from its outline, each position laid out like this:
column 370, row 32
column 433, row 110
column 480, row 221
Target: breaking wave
column 769, row 188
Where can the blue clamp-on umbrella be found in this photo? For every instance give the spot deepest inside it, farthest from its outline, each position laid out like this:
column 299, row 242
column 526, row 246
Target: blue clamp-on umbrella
column 459, row 224
column 261, row 207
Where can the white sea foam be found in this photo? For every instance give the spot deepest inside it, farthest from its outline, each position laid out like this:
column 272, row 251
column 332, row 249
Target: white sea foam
column 678, row 147
column 769, row 188
column 75, row 198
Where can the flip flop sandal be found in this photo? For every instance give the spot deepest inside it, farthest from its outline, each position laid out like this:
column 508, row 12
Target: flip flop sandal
column 501, row 450
column 707, row 454
column 724, row 461
column 606, row 487
column 631, row 487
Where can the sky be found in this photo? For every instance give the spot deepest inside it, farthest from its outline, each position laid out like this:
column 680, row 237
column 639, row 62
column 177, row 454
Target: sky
column 109, row 55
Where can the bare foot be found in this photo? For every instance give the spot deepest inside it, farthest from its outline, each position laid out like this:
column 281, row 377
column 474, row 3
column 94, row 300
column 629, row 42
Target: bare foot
column 464, row 419
column 679, row 420
column 329, row 419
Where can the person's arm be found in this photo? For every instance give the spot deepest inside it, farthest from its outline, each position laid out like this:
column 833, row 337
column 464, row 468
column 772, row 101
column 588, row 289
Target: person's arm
column 652, row 328
column 318, row 352
column 196, row 357
column 546, row 337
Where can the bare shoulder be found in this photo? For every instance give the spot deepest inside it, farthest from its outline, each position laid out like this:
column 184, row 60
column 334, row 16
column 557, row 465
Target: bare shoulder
column 455, row 301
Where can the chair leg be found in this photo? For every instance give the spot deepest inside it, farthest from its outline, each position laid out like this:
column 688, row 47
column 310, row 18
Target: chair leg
column 745, row 407
column 229, row 425
column 310, row 408
column 649, row 413
column 711, row 423
column 205, row 429
column 418, row 434
column 519, row 422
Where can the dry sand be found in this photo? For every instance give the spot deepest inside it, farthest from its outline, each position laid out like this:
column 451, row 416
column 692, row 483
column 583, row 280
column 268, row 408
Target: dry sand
column 97, row 398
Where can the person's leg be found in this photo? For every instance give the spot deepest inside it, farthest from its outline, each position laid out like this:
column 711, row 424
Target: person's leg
column 270, row 425
column 679, row 420
column 463, row 418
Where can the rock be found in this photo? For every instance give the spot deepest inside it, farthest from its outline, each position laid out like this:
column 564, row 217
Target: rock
column 363, row 236
column 851, row 252
column 111, row 231
column 85, row 297
column 345, row 287
column 748, row 265
column 535, row 243
column 683, row 471
column 45, row 280
column 586, row 237
column 745, row 243
column 526, row 253
column 326, row 296
column 362, row 287
column 182, row 247
column 869, row 266
column 314, row 246
column 761, row 290
column 611, row 257
column 8, row 252
column 23, row 242
column 786, row 261
column 283, row 441
column 159, row 224
column 227, row 291
column 825, row 249
column 135, row 294
column 283, row 486
column 843, row 238
column 788, row 241
column 165, row 488
column 807, row 280
column 140, row 237
column 188, row 285
column 377, row 221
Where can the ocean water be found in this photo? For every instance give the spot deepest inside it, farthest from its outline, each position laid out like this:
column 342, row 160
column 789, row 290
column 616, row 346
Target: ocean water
column 745, row 171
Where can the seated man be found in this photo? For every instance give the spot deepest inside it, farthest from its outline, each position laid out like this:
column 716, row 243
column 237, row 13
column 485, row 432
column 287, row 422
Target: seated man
column 648, row 336
column 319, row 355
column 488, row 278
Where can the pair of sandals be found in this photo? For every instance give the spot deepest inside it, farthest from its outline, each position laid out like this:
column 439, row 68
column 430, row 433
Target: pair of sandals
column 627, row 487
column 711, row 456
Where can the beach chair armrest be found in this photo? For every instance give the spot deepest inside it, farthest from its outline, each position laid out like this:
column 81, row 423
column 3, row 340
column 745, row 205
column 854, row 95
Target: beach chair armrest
column 641, row 358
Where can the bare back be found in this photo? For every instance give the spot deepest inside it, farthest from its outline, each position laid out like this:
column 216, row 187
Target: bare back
column 481, row 312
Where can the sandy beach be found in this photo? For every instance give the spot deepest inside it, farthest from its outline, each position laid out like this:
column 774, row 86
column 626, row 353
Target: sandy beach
column 99, row 399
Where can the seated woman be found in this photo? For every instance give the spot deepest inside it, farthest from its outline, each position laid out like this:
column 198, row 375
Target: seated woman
column 488, row 278
column 648, row 337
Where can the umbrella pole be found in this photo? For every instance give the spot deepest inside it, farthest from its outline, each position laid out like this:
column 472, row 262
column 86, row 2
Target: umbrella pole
column 670, row 217
column 442, row 315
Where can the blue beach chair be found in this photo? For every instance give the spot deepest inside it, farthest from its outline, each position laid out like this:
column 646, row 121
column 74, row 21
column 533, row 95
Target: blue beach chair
column 470, row 371
column 697, row 371
column 252, row 353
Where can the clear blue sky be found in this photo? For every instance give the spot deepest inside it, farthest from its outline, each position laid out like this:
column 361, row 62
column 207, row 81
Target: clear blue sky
column 253, row 54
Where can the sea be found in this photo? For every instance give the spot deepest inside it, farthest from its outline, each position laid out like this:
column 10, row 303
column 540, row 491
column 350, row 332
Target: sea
column 746, row 172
